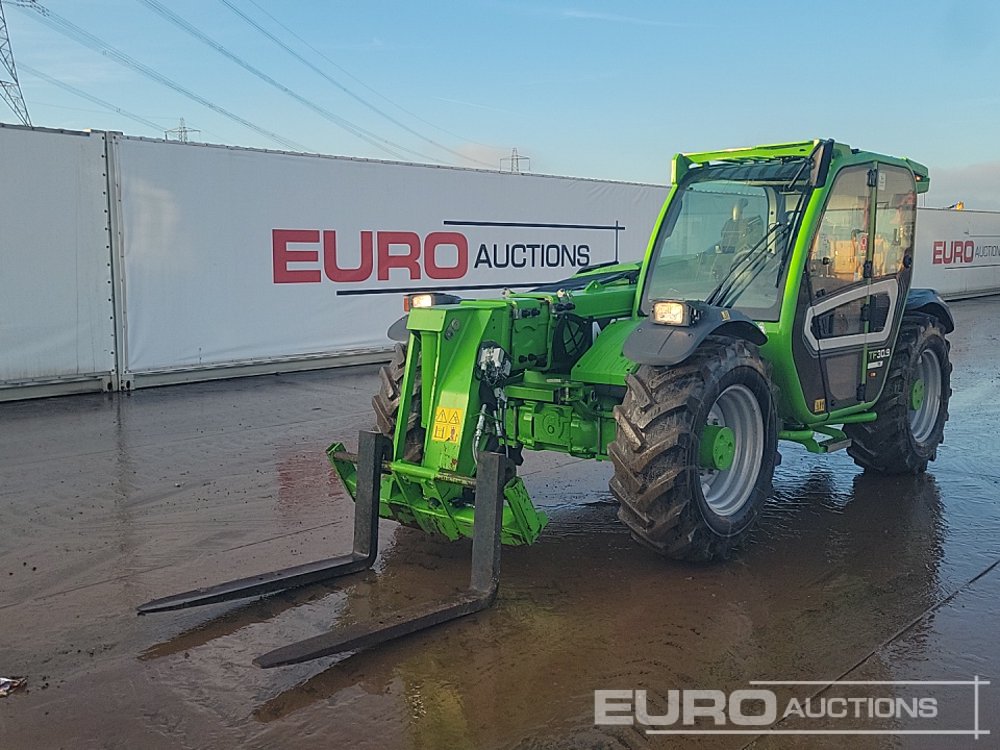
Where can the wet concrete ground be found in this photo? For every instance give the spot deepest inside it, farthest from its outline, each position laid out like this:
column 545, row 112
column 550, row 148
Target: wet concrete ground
column 106, row 502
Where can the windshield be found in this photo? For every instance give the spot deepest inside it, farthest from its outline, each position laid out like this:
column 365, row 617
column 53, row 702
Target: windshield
column 726, row 237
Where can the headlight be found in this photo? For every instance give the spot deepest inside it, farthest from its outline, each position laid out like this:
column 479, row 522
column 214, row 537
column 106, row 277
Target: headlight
column 429, row 299
column 421, row 300
column 671, row 313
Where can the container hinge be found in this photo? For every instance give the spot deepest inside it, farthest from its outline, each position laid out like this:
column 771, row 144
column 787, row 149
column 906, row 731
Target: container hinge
column 872, row 177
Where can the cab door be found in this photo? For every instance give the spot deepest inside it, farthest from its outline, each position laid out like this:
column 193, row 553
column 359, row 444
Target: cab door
column 891, row 261
column 830, row 348
column 854, row 288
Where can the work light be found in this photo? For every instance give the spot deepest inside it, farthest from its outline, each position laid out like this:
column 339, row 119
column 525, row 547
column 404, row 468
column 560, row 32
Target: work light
column 672, row 313
column 429, row 299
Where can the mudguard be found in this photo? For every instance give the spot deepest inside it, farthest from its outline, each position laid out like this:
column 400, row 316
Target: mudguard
column 398, row 331
column 930, row 302
column 654, row 344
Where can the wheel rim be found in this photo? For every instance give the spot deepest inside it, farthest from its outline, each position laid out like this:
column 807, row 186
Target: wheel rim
column 925, row 396
column 727, row 491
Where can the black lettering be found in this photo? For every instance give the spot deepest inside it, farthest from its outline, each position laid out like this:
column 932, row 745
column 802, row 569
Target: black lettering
column 496, row 256
column 482, row 257
column 534, row 254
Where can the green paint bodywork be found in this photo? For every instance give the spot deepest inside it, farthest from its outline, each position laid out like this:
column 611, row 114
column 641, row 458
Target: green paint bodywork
column 604, row 363
column 547, row 409
column 778, row 349
column 563, row 398
column 718, row 448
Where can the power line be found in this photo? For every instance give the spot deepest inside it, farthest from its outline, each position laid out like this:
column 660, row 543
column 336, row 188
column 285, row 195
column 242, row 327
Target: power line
column 364, row 85
column 74, row 32
column 10, row 90
column 90, row 97
column 382, row 143
column 339, row 85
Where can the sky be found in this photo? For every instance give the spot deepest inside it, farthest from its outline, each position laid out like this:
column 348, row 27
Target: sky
column 607, row 90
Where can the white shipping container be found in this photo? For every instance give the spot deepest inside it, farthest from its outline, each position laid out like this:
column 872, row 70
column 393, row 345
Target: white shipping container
column 128, row 261
column 57, row 329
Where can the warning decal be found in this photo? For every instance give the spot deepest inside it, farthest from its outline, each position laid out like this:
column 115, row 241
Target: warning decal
column 447, row 425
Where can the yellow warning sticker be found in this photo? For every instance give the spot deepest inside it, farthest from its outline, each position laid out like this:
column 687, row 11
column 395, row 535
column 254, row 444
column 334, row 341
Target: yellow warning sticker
column 447, row 425
column 819, row 405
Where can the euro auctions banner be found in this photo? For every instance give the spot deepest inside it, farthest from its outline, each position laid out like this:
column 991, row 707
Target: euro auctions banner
column 957, row 252
column 235, row 256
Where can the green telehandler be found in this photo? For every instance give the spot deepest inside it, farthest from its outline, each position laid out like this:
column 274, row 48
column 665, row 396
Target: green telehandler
column 773, row 303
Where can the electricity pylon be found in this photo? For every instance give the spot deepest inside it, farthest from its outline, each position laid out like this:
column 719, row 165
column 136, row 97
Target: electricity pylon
column 10, row 89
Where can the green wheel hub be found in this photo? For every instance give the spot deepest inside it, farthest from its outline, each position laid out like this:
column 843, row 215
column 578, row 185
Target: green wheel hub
column 926, row 396
column 718, row 448
column 917, row 394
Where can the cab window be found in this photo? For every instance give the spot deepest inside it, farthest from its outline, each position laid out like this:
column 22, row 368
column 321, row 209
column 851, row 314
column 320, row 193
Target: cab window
column 837, row 255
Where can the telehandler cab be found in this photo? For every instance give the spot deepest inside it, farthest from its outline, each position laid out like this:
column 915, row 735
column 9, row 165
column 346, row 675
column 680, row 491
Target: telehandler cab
column 773, row 303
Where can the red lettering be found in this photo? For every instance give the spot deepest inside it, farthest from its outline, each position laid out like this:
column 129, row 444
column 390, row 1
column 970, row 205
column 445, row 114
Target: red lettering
column 334, row 272
column 387, row 260
column 938, row 252
column 381, row 248
column 282, row 256
column 956, row 251
column 960, row 251
column 431, row 244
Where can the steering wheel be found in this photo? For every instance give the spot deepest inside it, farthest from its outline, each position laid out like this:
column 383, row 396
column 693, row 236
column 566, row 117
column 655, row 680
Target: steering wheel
column 740, row 255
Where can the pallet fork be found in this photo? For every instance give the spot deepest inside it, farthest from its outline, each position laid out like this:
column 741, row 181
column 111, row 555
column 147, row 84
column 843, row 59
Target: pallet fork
column 373, row 449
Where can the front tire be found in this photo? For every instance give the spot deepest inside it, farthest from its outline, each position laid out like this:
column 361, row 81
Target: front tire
column 913, row 407
column 386, row 405
column 674, row 494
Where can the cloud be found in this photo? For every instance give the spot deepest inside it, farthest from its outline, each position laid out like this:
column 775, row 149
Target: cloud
column 480, row 154
column 978, row 185
column 580, row 14
column 375, row 44
column 478, row 106
column 589, row 15
column 600, row 76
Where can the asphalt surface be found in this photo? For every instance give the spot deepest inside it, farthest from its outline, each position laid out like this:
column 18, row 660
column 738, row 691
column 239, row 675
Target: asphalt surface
column 108, row 501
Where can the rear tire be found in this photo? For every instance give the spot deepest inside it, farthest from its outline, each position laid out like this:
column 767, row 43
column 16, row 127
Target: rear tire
column 386, row 405
column 913, row 407
column 666, row 498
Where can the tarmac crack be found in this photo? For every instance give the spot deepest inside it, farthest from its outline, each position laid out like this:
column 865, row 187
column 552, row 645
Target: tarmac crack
column 894, row 637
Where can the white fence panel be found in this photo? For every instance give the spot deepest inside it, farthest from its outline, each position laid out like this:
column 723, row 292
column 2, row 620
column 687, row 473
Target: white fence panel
column 233, row 256
column 957, row 252
column 56, row 311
